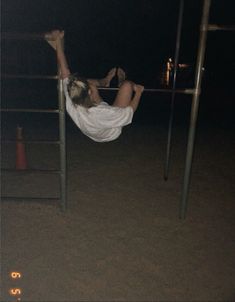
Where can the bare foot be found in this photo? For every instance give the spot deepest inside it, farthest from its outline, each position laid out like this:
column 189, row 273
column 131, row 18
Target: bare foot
column 121, row 76
column 106, row 81
column 53, row 37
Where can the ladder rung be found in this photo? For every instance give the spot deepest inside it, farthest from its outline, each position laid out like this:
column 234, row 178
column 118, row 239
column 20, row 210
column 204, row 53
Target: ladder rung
column 31, row 141
column 27, row 76
column 18, row 198
column 22, row 36
column 30, row 110
column 214, row 27
column 182, row 91
column 55, row 171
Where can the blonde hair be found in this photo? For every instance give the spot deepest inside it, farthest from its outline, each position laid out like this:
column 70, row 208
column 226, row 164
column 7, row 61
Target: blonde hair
column 78, row 89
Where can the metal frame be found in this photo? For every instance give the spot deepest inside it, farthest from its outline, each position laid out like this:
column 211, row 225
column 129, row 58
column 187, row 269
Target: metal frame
column 194, row 107
column 194, row 111
column 62, row 133
column 204, row 28
column 195, row 92
column 176, row 61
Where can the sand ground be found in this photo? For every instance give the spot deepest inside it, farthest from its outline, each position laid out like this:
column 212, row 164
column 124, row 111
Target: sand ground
column 121, row 238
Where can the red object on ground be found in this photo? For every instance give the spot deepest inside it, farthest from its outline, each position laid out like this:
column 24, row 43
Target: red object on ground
column 21, row 161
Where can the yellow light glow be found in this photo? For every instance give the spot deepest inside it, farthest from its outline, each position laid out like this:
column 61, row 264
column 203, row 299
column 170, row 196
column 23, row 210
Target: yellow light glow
column 15, row 275
column 15, row 291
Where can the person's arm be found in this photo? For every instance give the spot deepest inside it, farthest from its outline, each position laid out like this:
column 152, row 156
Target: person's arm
column 54, row 38
column 62, row 61
column 138, row 89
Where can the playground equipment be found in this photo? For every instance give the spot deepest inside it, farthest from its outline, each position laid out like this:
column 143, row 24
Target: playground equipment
column 21, row 164
column 205, row 27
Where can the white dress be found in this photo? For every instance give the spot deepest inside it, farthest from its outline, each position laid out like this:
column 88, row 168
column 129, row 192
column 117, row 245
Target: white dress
column 102, row 123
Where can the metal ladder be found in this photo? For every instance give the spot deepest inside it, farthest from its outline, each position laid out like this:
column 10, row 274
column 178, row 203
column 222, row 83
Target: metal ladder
column 62, row 199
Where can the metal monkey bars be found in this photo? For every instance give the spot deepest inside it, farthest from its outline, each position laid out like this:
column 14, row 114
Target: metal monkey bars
column 195, row 92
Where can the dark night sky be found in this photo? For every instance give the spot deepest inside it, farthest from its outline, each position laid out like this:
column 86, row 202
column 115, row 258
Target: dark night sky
column 136, row 34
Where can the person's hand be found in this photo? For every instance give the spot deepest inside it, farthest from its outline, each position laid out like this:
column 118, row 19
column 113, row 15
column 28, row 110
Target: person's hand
column 54, row 35
column 54, row 38
column 138, row 88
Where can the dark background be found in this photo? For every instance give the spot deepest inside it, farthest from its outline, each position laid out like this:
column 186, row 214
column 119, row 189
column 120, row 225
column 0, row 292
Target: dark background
column 138, row 35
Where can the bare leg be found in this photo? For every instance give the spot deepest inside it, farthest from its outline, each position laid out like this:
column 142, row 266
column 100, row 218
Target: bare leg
column 124, row 95
column 129, row 94
column 121, row 76
column 105, row 82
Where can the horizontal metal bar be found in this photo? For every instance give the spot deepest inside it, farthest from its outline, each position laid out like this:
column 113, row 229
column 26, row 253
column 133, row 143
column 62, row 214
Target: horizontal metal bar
column 27, row 76
column 31, row 141
column 214, row 27
column 183, row 91
column 22, row 36
column 18, row 198
column 47, row 171
column 24, row 76
column 30, row 110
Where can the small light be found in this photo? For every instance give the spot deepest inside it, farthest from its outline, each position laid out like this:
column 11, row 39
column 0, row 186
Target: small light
column 15, row 275
column 15, row 291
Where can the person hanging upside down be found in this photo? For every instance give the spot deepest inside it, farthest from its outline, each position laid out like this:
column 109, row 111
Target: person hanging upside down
column 97, row 119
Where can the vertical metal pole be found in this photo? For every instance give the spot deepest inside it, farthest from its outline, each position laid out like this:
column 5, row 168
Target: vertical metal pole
column 63, row 172
column 176, row 60
column 194, row 108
